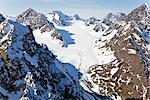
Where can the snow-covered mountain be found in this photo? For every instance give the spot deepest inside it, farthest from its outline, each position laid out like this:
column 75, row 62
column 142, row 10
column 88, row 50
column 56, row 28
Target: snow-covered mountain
column 59, row 18
column 35, row 20
column 39, row 22
column 99, row 59
column 110, row 20
column 140, row 16
column 123, row 52
column 77, row 17
column 91, row 21
column 30, row 71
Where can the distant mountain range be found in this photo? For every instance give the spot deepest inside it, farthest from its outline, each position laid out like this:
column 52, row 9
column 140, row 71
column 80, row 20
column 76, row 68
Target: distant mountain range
column 61, row 57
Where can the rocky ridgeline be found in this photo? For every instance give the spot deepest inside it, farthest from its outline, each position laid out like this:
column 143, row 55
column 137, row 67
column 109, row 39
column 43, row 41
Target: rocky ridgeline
column 140, row 16
column 111, row 20
column 91, row 21
column 1, row 18
column 35, row 20
column 39, row 21
column 30, row 71
column 128, row 74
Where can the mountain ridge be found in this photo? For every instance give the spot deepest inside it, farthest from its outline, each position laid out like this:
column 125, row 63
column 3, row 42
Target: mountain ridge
column 93, row 59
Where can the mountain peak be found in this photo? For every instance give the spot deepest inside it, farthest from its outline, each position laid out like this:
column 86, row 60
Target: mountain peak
column 57, row 12
column 31, row 9
column 35, row 20
column 147, row 5
column 101, row 56
column 59, row 18
column 29, row 12
column 112, row 18
column 1, row 18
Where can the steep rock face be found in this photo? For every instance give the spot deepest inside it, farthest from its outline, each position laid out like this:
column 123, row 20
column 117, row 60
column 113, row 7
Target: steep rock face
column 39, row 21
column 30, row 71
column 123, row 52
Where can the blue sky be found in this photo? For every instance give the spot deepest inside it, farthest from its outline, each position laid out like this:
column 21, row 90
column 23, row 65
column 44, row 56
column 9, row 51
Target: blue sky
column 85, row 8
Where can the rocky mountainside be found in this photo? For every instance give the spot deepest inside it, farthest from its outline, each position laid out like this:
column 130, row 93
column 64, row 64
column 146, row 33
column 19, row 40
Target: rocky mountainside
column 125, row 67
column 39, row 21
column 140, row 16
column 35, row 20
column 30, row 71
column 111, row 20
column 98, row 59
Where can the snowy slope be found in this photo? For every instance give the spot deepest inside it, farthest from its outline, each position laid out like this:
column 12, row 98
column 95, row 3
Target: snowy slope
column 80, row 51
column 59, row 18
column 30, row 71
column 66, row 57
column 80, row 48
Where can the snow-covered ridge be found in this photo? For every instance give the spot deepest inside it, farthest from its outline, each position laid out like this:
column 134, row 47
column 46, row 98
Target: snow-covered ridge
column 59, row 18
column 35, row 20
column 96, row 59
column 30, row 71
column 111, row 20
column 39, row 22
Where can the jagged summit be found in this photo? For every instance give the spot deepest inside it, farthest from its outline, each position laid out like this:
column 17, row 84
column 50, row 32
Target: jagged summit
column 29, row 12
column 108, row 57
column 62, row 16
column 35, row 20
column 140, row 15
column 91, row 21
column 38, row 21
column 59, row 18
column 113, row 18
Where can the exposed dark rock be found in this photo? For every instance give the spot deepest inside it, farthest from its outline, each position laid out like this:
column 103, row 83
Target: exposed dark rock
column 35, row 20
column 91, row 20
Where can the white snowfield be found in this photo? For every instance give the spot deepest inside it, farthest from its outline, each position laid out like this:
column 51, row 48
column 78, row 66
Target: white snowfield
column 79, row 51
column 80, row 45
